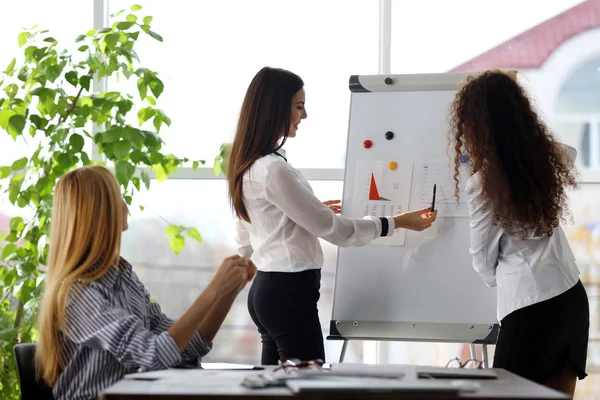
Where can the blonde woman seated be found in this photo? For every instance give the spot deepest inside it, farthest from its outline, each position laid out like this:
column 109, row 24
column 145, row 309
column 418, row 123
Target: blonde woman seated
column 96, row 321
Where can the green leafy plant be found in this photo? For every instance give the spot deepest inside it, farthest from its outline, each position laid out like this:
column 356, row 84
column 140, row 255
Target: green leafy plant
column 47, row 101
column 220, row 164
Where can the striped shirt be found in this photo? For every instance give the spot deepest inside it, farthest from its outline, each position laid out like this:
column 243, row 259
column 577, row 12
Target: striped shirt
column 112, row 329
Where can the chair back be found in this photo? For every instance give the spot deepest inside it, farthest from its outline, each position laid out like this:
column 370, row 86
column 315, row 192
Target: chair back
column 31, row 389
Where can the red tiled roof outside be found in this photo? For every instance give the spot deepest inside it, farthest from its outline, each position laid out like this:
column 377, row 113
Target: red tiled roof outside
column 531, row 49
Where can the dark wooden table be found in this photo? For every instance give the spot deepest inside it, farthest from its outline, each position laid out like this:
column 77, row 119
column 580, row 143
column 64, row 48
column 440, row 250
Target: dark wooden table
column 225, row 384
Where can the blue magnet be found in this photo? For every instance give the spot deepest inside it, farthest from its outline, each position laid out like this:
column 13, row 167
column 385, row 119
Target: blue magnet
column 464, row 159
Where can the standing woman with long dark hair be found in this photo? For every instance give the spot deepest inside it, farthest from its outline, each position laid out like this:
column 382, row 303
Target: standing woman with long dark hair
column 517, row 197
column 279, row 220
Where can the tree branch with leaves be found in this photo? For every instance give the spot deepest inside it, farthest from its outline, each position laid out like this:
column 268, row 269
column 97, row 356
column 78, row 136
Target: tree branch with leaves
column 46, row 98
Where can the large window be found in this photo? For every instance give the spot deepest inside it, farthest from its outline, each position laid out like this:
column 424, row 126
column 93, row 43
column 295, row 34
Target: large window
column 436, row 36
column 578, row 113
column 65, row 19
column 554, row 46
column 176, row 280
column 212, row 50
column 210, row 53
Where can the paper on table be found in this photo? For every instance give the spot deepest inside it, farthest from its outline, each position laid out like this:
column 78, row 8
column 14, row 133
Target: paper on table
column 399, row 371
column 228, row 366
column 381, row 192
column 188, row 375
column 362, row 386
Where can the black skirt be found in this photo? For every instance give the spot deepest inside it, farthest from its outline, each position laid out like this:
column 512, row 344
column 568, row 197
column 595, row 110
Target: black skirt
column 539, row 341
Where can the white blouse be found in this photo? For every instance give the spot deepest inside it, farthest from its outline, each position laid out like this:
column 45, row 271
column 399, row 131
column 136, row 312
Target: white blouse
column 287, row 220
column 525, row 271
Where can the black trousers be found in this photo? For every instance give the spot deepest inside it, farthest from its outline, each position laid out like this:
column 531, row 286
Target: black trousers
column 539, row 341
column 283, row 305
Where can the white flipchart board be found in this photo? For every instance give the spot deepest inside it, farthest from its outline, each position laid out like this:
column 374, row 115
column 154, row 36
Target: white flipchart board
column 419, row 286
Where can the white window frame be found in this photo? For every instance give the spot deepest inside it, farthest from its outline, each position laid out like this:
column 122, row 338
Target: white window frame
column 378, row 352
column 591, row 174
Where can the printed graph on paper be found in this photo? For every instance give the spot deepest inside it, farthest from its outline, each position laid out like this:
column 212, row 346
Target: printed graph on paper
column 442, row 176
column 373, row 191
column 380, row 192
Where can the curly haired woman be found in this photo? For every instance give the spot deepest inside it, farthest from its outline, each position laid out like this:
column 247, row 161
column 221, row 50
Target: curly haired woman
column 517, row 197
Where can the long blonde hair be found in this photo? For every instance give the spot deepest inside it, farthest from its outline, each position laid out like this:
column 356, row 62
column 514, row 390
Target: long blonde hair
column 87, row 221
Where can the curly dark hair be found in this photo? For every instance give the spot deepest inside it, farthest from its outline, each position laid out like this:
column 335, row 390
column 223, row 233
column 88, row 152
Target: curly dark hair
column 525, row 172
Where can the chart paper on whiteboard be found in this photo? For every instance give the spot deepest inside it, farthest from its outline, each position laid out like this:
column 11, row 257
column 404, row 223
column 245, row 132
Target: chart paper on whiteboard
column 382, row 192
column 442, row 176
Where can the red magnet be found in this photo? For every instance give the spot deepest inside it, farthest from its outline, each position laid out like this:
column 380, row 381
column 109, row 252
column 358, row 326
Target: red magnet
column 367, row 144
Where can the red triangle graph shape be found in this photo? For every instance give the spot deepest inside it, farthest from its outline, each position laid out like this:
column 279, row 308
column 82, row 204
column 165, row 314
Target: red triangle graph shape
column 373, row 192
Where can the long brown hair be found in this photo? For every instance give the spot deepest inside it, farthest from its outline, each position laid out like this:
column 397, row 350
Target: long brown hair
column 263, row 127
column 85, row 232
column 524, row 172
